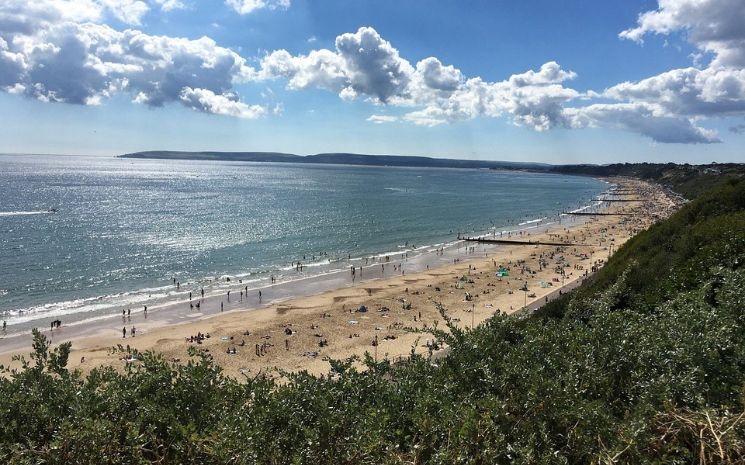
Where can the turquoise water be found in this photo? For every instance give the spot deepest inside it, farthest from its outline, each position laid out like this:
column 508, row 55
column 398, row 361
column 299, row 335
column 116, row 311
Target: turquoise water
column 125, row 228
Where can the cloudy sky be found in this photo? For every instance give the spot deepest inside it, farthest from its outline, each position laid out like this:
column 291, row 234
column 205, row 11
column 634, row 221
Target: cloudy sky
column 569, row 81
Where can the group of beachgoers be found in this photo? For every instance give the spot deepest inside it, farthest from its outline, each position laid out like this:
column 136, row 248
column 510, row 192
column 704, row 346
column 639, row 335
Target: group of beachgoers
column 132, row 332
column 198, row 338
column 556, row 259
column 127, row 314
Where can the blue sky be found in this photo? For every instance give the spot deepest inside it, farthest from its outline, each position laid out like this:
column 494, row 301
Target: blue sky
column 531, row 81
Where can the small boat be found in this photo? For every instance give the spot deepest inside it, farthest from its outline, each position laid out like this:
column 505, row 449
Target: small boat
column 53, row 210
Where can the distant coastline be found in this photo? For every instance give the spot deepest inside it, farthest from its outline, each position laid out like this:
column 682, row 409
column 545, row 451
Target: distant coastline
column 666, row 174
column 339, row 158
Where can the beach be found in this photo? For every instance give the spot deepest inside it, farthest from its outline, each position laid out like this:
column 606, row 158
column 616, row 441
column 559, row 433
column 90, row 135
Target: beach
column 300, row 326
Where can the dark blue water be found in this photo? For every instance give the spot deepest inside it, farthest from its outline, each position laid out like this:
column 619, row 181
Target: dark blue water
column 125, row 228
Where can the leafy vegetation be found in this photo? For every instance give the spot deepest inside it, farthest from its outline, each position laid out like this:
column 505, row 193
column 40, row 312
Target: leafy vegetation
column 690, row 181
column 646, row 365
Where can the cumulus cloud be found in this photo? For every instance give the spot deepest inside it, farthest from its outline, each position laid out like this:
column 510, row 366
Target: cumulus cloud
column 364, row 64
column 683, row 96
column 25, row 16
column 206, row 101
column 67, row 57
column 170, row 5
column 381, row 119
column 640, row 118
column 320, row 68
column 371, row 65
column 245, row 7
column 689, row 91
column 714, row 26
column 63, row 51
column 438, row 76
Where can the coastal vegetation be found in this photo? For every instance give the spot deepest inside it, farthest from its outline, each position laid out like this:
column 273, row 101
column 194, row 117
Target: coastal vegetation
column 644, row 364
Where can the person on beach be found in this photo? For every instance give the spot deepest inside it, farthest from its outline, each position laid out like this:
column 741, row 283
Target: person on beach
column 221, row 306
column 203, row 293
column 189, row 295
column 124, row 332
column 5, row 325
column 228, row 296
column 145, row 311
column 133, row 331
column 259, row 296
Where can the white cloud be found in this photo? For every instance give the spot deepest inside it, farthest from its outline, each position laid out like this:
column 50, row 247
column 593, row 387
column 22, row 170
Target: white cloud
column 67, row 57
column 550, row 73
column 206, row 101
column 688, row 91
column 245, row 7
column 640, row 118
column 437, row 76
column 170, row 5
column 62, row 51
column 371, row 65
column 320, row 68
column 25, row 16
column 127, row 11
column 380, row 119
column 364, row 64
column 714, row 26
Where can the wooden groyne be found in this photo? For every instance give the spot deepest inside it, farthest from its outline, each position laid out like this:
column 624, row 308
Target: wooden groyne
column 485, row 240
column 597, row 214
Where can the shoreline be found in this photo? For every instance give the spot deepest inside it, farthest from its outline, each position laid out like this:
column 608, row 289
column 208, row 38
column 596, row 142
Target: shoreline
column 300, row 348
column 167, row 295
column 416, row 258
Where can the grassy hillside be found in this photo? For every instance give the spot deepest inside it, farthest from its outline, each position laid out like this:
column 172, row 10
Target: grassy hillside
column 688, row 180
column 675, row 255
column 645, row 366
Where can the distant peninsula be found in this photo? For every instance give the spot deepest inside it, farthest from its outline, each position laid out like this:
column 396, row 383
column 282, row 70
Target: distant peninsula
column 338, row 159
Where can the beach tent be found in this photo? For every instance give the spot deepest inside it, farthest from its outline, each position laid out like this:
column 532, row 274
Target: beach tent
column 502, row 272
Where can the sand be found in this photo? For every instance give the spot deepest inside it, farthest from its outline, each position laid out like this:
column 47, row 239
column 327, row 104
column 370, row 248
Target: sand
column 291, row 331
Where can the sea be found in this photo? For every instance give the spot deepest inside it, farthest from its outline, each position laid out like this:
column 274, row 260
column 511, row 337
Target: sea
column 82, row 237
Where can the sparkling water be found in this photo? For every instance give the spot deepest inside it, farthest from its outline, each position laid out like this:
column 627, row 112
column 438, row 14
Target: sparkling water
column 83, row 236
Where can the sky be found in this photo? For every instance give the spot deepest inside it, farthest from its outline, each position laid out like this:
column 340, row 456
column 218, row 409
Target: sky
column 544, row 81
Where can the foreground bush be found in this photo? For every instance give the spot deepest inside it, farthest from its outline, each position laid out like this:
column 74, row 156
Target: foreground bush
column 617, row 375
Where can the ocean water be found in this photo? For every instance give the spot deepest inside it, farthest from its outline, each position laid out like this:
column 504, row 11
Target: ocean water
column 124, row 229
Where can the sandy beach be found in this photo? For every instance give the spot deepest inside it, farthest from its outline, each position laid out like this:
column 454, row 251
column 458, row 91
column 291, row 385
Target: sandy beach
column 372, row 315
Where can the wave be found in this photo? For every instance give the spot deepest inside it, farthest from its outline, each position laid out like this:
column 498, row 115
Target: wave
column 581, row 209
column 108, row 305
column 23, row 213
column 537, row 220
